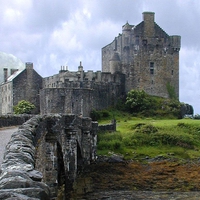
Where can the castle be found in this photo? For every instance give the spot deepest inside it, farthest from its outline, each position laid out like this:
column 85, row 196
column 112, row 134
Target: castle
column 142, row 57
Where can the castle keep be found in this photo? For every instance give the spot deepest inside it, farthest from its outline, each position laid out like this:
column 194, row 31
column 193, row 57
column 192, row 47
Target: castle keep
column 142, row 57
column 147, row 55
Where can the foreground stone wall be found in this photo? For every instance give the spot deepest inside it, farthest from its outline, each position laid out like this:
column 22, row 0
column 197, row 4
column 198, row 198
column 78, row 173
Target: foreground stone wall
column 45, row 154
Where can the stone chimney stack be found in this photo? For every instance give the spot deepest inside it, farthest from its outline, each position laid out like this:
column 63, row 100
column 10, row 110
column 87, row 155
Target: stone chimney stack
column 148, row 18
column 5, row 70
column 12, row 71
column 29, row 65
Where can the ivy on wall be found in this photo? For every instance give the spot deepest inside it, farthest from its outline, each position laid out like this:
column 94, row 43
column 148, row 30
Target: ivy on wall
column 171, row 91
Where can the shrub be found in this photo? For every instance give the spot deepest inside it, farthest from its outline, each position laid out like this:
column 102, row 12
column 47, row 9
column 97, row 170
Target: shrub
column 145, row 128
column 23, row 107
column 95, row 115
column 138, row 100
column 101, row 114
column 171, row 91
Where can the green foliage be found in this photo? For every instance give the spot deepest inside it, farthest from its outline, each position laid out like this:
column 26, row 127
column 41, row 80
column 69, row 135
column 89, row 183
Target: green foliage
column 111, row 141
column 138, row 100
column 142, row 104
column 98, row 115
column 171, row 91
column 95, row 115
column 137, row 138
column 146, row 128
column 23, row 107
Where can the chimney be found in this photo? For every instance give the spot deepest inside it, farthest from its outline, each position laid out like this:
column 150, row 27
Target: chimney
column 29, row 65
column 80, row 68
column 149, row 29
column 12, row 71
column 5, row 70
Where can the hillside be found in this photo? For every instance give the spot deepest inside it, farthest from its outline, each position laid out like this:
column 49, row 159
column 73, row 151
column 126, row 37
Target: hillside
column 145, row 138
column 149, row 159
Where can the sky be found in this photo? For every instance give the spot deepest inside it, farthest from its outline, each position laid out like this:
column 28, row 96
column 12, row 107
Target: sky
column 59, row 33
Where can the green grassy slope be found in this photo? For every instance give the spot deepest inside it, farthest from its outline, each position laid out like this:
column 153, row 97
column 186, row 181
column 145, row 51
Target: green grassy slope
column 138, row 138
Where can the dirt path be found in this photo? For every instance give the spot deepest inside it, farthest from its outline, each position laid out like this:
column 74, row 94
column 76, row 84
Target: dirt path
column 5, row 134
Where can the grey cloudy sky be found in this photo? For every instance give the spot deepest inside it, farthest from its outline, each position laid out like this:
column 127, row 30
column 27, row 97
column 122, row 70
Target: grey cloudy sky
column 65, row 32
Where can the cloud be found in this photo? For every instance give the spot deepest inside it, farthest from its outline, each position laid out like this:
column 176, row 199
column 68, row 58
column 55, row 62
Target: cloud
column 64, row 32
column 190, row 77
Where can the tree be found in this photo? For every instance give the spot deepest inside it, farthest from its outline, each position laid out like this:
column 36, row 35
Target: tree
column 23, row 107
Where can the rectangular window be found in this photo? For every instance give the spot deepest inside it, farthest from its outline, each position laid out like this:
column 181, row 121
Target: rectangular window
column 151, row 65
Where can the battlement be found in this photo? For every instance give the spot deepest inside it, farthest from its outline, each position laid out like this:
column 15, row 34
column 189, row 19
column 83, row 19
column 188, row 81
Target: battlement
column 80, row 78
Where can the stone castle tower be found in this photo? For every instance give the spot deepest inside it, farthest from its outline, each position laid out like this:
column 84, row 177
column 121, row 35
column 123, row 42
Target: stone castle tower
column 147, row 55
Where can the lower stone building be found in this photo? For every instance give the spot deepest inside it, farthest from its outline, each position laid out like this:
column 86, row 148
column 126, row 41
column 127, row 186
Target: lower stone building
column 21, row 85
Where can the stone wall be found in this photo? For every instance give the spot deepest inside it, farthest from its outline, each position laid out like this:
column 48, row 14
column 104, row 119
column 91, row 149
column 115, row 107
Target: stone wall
column 147, row 55
column 108, row 127
column 13, row 120
column 81, row 98
column 19, row 179
column 45, row 154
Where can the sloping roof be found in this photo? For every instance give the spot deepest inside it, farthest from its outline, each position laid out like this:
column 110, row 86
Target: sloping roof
column 11, row 77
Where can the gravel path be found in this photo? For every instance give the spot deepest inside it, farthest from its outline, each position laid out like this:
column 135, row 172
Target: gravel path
column 5, row 135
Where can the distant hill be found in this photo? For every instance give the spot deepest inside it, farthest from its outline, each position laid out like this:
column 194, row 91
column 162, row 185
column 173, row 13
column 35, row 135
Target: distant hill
column 9, row 61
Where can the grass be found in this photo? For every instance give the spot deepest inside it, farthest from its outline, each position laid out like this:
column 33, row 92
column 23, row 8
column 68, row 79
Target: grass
column 138, row 138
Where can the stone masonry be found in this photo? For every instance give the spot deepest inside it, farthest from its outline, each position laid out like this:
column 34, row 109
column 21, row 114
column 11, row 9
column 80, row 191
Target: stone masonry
column 45, row 154
column 147, row 55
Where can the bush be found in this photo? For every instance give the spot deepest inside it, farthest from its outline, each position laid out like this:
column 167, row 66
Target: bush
column 145, row 105
column 100, row 114
column 138, row 100
column 144, row 128
column 95, row 115
column 23, row 107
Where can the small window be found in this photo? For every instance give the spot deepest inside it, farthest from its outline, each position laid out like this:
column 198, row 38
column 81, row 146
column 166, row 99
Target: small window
column 151, row 67
column 144, row 42
column 172, row 72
